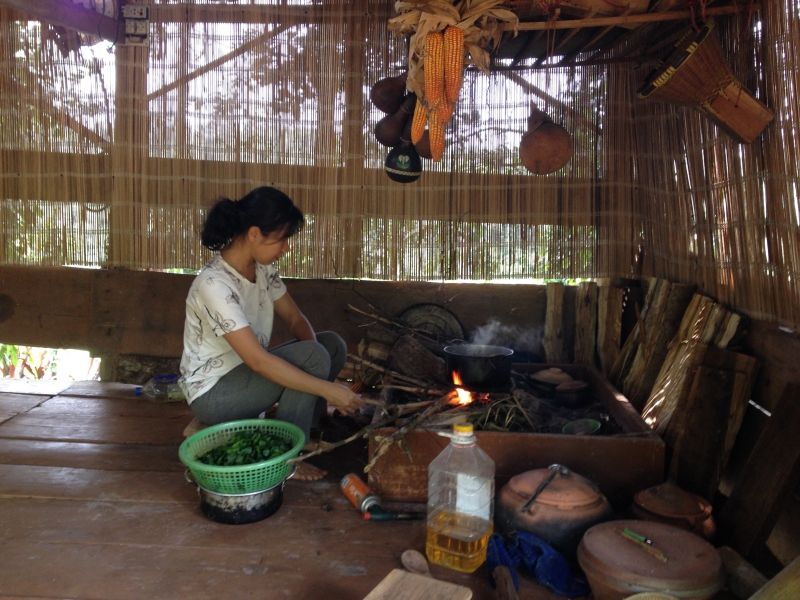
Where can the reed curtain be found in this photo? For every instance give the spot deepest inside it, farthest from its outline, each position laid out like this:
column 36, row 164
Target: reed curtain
column 111, row 154
column 721, row 214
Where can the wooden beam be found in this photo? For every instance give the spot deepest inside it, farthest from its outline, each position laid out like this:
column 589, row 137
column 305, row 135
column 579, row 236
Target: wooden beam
column 70, row 15
column 676, row 15
column 532, row 89
column 268, row 35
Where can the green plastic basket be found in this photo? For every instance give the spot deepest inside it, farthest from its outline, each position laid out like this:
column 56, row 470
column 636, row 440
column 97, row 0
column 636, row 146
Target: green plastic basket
column 243, row 479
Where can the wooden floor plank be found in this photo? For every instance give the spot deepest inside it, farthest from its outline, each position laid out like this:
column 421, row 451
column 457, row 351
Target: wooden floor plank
column 139, row 486
column 18, row 403
column 13, row 404
column 34, row 386
column 94, row 506
column 107, row 550
column 105, row 389
column 89, row 428
column 135, row 406
column 109, row 457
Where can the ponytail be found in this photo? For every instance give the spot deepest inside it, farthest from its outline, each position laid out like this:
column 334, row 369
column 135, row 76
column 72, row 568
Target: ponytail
column 265, row 207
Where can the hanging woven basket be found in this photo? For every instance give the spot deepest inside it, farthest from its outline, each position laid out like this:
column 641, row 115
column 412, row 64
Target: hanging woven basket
column 696, row 73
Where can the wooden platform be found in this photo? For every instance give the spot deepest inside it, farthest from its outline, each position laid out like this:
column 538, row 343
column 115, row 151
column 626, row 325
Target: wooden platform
column 94, row 505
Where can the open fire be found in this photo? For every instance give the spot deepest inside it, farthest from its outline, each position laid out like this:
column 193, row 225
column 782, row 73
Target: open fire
column 464, row 397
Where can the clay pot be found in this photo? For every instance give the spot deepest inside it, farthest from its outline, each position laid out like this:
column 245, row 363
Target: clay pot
column 388, row 93
column 617, row 568
column 389, row 129
column 667, row 503
column 545, row 147
column 564, row 509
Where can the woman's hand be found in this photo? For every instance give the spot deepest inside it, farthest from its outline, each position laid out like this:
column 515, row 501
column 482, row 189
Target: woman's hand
column 342, row 398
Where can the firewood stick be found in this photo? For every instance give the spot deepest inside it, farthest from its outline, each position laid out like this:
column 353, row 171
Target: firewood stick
column 327, row 447
column 413, row 390
column 391, row 322
column 400, row 433
column 381, row 369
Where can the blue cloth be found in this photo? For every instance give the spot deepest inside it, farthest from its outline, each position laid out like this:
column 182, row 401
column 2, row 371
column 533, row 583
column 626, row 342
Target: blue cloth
column 546, row 565
column 497, row 556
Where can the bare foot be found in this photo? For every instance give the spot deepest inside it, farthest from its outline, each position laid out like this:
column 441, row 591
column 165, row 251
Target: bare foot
column 310, row 446
column 307, row 472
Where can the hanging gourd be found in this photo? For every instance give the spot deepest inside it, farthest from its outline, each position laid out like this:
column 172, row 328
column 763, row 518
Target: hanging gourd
column 546, row 146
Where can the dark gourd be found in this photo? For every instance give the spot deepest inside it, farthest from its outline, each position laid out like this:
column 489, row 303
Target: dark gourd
column 546, row 146
column 390, row 127
column 403, row 164
column 388, row 93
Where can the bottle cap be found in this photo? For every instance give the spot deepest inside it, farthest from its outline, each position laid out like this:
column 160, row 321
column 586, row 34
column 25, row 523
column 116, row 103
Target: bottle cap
column 463, row 433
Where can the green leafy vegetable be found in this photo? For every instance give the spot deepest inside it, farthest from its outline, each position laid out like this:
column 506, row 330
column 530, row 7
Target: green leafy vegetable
column 245, row 448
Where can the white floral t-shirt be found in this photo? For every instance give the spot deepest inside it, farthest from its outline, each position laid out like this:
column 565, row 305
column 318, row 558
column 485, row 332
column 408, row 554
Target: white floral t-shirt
column 220, row 301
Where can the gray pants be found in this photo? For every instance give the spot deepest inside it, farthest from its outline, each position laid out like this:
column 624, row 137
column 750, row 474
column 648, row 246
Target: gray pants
column 244, row 394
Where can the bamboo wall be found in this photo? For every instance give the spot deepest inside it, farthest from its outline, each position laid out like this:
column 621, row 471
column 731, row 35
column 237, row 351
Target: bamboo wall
column 109, row 156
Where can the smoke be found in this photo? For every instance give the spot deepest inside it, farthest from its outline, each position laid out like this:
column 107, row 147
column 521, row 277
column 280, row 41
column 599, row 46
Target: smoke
column 494, row 333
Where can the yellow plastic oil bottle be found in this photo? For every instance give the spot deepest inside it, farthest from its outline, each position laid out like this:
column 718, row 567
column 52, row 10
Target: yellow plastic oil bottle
column 460, row 502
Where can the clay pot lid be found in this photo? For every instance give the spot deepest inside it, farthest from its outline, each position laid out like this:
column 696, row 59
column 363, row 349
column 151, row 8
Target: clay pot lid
column 668, row 500
column 564, row 491
column 692, row 564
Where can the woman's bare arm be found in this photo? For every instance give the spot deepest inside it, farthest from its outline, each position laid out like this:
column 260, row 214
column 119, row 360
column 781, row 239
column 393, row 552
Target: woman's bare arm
column 245, row 344
column 298, row 324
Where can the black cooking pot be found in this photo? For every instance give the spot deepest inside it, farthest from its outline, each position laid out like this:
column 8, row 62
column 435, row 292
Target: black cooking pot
column 478, row 366
column 238, row 509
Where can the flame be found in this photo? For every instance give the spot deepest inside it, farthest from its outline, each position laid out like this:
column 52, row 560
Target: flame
column 464, row 397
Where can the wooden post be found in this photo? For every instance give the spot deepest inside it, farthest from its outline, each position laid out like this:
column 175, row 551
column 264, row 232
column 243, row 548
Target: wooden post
column 586, row 323
column 553, row 340
column 768, row 477
column 609, row 326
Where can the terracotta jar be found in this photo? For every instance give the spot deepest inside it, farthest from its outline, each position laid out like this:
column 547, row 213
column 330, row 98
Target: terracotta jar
column 559, row 514
column 667, row 503
column 668, row 560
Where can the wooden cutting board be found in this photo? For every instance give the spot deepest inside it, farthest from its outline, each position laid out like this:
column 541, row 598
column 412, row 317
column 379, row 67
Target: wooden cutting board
column 402, row 585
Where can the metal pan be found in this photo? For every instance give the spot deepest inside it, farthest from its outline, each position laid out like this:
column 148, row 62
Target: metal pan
column 480, row 367
column 238, row 509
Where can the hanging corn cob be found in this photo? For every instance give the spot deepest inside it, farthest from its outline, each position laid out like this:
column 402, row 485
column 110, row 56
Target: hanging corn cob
column 418, row 122
column 445, row 111
column 434, row 69
column 436, row 133
column 453, row 62
column 442, row 34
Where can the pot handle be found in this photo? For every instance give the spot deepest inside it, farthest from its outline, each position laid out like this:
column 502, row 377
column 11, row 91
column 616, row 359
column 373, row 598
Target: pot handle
column 555, row 469
column 187, row 475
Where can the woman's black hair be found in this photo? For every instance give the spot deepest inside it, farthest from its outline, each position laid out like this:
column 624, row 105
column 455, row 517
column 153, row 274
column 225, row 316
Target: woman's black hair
column 265, row 207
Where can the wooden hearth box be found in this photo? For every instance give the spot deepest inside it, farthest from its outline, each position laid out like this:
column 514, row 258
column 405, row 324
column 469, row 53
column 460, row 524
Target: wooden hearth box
column 620, row 465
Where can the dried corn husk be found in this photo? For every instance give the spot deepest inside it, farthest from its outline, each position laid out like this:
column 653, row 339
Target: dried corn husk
column 482, row 22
